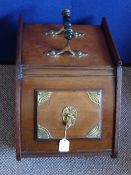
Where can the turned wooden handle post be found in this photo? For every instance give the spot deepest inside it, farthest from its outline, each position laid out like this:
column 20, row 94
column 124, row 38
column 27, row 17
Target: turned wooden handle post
column 68, row 31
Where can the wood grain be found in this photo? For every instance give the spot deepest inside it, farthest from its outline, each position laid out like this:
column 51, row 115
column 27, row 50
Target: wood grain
column 101, row 69
column 88, row 113
column 18, row 91
column 93, row 42
column 27, row 112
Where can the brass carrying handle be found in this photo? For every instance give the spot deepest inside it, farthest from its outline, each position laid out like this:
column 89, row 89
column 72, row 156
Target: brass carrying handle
column 68, row 34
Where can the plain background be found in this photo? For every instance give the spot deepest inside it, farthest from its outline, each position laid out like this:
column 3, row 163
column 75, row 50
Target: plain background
column 118, row 13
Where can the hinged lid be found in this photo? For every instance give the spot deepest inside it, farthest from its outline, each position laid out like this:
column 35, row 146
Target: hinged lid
column 97, row 42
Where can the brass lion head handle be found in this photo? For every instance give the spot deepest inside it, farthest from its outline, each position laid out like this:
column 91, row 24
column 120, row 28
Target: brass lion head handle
column 69, row 115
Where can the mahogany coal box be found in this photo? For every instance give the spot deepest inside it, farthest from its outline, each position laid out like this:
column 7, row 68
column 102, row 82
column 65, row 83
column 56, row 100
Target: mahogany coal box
column 72, row 93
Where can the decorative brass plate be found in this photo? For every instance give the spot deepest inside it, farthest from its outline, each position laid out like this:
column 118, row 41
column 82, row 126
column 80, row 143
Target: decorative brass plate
column 43, row 96
column 43, row 133
column 77, row 111
column 94, row 133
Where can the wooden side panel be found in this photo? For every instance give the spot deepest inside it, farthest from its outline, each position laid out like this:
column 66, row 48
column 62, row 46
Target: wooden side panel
column 19, row 41
column 110, row 42
column 18, row 91
column 118, row 112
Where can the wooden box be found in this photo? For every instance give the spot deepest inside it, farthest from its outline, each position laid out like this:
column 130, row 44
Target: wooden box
column 48, row 87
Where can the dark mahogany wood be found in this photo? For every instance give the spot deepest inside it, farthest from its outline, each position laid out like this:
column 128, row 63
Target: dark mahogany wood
column 18, row 90
column 118, row 112
column 93, row 42
column 101, row 69
column 80, row 154
column 107, row 85
column 117, row 61
column 19, row 41
column 111, row 44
